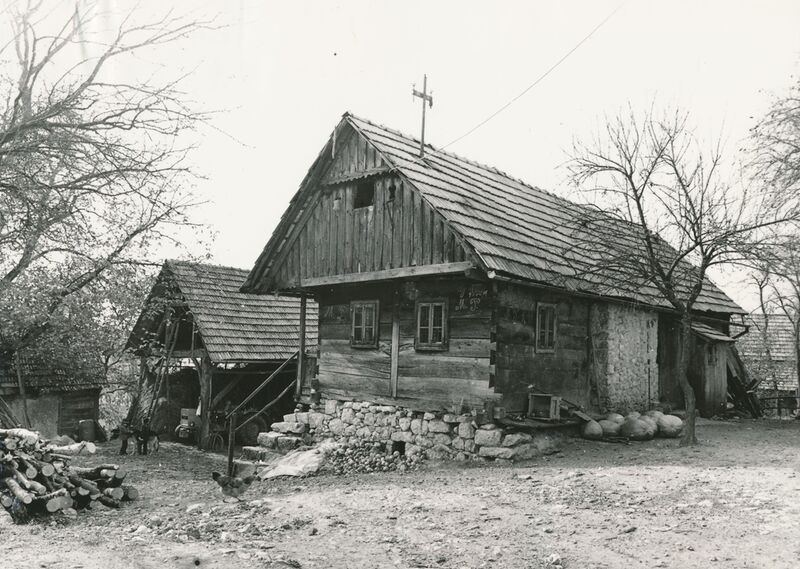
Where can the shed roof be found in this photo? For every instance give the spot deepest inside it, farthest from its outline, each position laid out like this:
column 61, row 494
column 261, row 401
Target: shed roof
column 779, row 334
column 234, row 326
column 39, row 373
column 512, row 228
column 776, row 333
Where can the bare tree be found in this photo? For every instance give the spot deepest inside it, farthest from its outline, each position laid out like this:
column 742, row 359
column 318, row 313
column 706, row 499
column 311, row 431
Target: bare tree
column 778, row 273
column 663, row 215
column 92, row 167
column 776, row 143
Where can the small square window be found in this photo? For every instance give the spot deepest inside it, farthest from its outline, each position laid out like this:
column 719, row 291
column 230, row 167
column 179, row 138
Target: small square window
column 546, row 328
column 365, row 195
column 364, row 330
column 431, row 325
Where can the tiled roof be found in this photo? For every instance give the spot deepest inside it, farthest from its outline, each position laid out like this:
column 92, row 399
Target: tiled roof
column 512, row 227
column 235, row 326
column 38, row 374
column 779, row 338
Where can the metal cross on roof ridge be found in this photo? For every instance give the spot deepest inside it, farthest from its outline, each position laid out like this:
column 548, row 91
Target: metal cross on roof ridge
column 425, row 96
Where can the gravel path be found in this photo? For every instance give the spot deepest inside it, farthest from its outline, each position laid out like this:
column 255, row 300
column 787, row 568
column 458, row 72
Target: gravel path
column 731, row 502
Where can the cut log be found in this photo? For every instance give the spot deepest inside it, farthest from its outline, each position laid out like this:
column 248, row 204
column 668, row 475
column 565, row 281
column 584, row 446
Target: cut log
column 85, row 487
column 74, row 449
column 115, row 493
column 17, row 491
column 131, row 493
column 109, row 502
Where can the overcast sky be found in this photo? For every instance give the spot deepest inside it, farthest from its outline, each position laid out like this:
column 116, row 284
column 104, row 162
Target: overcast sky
column 286, row 71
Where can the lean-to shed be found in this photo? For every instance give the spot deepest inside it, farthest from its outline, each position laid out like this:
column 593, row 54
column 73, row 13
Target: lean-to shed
column 204, row 343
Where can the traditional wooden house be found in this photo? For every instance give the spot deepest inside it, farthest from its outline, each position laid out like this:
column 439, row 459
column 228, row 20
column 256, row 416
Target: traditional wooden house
column 444, row 284
column 769, row 350
column 205, row 344
column 56, row 398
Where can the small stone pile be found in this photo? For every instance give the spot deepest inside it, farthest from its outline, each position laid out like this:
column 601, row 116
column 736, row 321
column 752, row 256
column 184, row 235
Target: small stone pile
column 634, row 426
column 363, row 456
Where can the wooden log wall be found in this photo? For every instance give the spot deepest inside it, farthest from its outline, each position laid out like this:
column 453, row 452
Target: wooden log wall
column 334, row 237
column 566, row 372
column 451, row 379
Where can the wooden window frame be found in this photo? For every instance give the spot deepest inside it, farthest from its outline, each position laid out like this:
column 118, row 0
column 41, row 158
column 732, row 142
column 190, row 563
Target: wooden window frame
column 431, row 346
column 540, row 306
column 360, row 304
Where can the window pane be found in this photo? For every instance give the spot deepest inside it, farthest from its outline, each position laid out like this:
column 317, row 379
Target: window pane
column 437, row 314
column 357, row 316
column 424, row 315
column 357, row 334
column 436, row 335
column 369, row 334
column 424, row 336
column 369, row 315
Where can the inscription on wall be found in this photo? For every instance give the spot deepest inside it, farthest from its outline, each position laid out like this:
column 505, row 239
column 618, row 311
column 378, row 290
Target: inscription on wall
column 470, row 299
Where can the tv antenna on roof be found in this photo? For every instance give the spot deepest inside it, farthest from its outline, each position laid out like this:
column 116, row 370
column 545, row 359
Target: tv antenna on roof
column 426, row 97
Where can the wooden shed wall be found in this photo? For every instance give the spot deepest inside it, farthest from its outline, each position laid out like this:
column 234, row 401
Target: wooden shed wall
column 336, row 238
column 564, row 372
column 427, row 380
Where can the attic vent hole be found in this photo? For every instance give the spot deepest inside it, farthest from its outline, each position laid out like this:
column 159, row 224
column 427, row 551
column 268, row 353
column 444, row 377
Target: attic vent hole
column 392, row 192
column 365, row 195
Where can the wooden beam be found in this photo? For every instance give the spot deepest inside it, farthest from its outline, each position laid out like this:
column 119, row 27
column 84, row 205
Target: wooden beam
column 224, row 391
column 301, row 357
column 405, row 272
column 356, row 176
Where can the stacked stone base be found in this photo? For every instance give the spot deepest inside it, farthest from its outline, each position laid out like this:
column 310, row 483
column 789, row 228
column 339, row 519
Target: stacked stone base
column 437, row 436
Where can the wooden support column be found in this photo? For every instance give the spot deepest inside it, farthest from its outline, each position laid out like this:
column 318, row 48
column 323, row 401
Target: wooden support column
column 395, row 345
column 206, row 377
column 301, row 356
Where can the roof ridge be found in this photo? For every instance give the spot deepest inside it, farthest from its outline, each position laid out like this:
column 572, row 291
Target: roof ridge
column 201, row 264
column 460, row 157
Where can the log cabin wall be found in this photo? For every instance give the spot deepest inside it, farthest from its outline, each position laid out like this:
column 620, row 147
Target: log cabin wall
column 362, row 218
column 453, row 378
column 565, row 370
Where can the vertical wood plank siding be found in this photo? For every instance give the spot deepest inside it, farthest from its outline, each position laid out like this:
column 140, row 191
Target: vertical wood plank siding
column 339, row 239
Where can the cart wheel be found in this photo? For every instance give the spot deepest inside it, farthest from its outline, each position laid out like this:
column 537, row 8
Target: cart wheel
column 216, row 442
column 248, row 435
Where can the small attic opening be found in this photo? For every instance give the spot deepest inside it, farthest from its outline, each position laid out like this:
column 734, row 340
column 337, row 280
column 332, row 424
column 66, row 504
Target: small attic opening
column 365, row 194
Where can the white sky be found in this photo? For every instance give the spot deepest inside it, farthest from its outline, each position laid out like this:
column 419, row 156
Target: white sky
column 286, row 71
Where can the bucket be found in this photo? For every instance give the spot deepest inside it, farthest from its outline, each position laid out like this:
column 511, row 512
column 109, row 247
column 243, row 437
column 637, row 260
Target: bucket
column 86, row 431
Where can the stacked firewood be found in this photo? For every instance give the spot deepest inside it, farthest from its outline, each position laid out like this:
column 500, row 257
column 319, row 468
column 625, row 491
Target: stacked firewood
column 36, row 478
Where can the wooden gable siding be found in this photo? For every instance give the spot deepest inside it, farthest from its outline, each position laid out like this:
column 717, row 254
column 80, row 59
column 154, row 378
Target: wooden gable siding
column 427, row 380
column 335, row 238
column 564, row 372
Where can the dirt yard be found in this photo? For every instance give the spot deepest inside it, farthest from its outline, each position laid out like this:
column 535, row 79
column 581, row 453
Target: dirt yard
column 732, row 502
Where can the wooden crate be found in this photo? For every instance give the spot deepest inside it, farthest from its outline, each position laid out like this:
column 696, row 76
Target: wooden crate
column 544, row 406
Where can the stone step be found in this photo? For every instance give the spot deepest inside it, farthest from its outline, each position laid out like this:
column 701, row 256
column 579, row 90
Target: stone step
column 294, row 428
column 280, row 442
column 257, row 454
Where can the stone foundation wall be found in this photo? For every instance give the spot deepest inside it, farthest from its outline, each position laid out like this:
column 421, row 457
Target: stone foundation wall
column 436, row 436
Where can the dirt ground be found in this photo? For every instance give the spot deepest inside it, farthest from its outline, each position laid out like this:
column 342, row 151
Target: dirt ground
column 732, row 502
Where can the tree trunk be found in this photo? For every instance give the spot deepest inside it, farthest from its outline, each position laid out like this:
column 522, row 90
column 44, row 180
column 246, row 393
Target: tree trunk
column 689, row 397
column 797, row 365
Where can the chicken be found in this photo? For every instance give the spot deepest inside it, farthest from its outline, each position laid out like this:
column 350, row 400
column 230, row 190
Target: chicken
column 232, row 486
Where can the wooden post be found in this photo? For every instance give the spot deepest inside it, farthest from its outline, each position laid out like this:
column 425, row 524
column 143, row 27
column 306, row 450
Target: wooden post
column 21, row 386
column 395, row 346
column 206, row 377
column 301, row 356
column 231, row 437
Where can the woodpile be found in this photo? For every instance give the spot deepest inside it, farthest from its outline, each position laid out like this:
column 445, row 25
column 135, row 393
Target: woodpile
column 36, row 478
